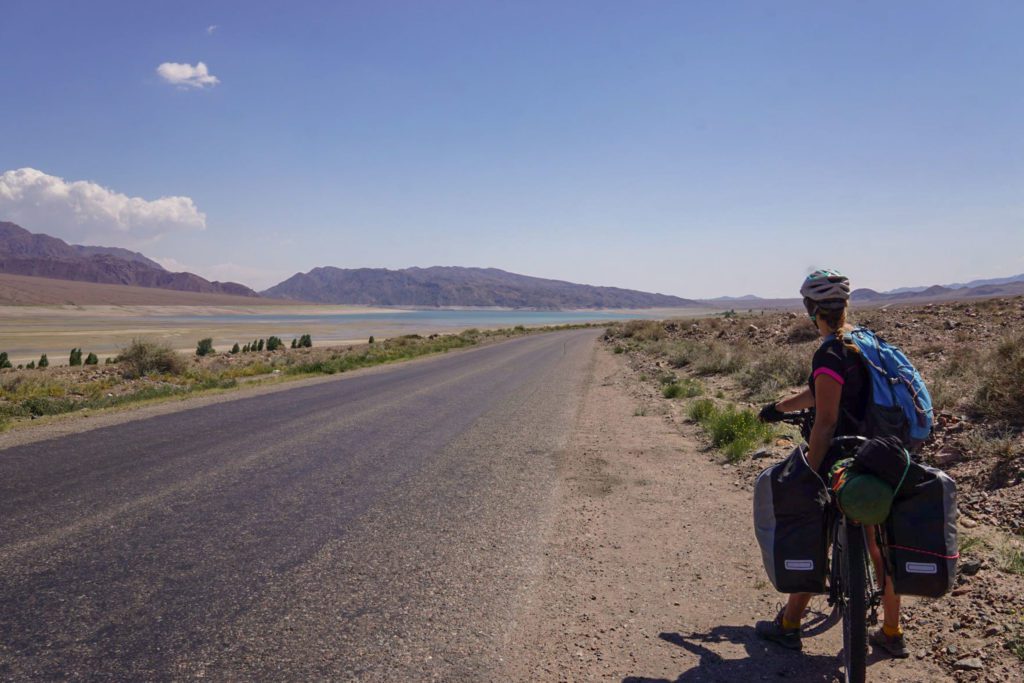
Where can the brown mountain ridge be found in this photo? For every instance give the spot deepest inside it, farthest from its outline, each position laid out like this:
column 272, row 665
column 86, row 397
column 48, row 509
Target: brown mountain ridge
column 39, row 255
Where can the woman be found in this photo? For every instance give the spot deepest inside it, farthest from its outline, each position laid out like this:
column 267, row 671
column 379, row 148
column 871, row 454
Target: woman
column 838, row 390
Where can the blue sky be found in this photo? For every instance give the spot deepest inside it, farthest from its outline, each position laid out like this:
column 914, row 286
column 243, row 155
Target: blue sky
column 692, row 148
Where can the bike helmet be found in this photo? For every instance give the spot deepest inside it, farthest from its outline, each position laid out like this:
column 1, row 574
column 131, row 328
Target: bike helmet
column 826, row 285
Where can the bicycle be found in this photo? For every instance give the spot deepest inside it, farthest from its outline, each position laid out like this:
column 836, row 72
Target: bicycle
column 852, row 588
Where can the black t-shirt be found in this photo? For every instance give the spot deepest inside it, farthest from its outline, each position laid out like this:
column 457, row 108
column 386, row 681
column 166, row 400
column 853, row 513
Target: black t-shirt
column 846, row 367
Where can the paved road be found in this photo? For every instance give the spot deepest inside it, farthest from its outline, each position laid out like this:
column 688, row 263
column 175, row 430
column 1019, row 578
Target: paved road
column 370, row 528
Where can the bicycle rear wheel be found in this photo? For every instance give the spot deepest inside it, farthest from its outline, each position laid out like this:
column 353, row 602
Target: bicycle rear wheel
column 854, row 600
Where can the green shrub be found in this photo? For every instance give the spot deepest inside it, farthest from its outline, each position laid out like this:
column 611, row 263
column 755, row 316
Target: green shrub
column 75, row 358
column 259, row 345
column 295, row 343
column 205, row 347
column 685, row 388
column 4, row 361
column 306, row 341
column 143, row 357
column 235, row 349
column 701, row 410
column 371, row 339
column 48, row 405
column 31, row 365
column 92, row 359
column 618, row 349
column 735, row 432
column 274, row 343
column 44, row 362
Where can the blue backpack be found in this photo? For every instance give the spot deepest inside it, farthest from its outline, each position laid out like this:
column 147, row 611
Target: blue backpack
column 900, row 403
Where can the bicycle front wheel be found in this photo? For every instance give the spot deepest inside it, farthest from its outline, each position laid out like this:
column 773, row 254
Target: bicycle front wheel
column 853, row 569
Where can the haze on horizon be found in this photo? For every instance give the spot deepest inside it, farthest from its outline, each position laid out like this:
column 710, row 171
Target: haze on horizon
column 697, row 149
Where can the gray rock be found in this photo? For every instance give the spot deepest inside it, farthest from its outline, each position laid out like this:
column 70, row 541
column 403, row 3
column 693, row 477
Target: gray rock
column 969, row 664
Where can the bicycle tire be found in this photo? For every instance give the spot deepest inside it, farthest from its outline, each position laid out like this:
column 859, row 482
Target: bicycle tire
column 853, row 569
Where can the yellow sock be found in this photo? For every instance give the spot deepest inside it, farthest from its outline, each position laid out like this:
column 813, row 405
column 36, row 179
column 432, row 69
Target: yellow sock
column 788, row 625
column 892, row 633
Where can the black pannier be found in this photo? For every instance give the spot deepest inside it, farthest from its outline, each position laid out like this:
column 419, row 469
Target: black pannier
column 922, row 538
column 790, row 525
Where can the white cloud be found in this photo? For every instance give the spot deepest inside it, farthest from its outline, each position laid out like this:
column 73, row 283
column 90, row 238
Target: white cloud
column 186, row 75
column 86, row 213
column 211, row 28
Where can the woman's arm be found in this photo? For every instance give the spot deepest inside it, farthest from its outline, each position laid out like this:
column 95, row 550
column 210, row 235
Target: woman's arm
column 827, row 392
column 801, row 401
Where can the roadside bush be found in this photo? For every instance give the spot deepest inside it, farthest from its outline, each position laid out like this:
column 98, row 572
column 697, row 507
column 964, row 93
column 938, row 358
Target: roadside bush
column 259, row 345
column 643, row 330
column 775, row 371
column 92, row 359
column 1000, row 394
column 47, row 405
column 143, row 357
column 31, row 365
column 801, row 331
column 721, row 359
column 371, row 339
column 75, row 358
column 684, row 388
column 306, row 341
column 205, row 347
column 44, row 362
column 736, row 432
column 4, row 361
column 295, row 343
column 274, row 343
column 235, row 349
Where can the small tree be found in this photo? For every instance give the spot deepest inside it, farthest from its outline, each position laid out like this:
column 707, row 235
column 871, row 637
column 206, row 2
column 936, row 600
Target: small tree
column 76, row 357
column 205, row 347
column 245, row 349
column 259, row 345
column 92, row 359
column 31, row 365
column 371, row 338
column 274, row 343
column 305, row 341
column 4, row 361
column 295, row 343
column 44, row 362
column 235, row 349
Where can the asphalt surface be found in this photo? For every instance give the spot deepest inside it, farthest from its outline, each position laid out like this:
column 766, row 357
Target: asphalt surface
column 377, row 527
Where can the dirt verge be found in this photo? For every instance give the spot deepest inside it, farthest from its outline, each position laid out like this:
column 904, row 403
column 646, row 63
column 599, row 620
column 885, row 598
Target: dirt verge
column 651, row 571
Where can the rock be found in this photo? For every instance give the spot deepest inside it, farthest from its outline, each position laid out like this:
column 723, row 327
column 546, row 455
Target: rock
column 970, row 567
column 947, row 456
column 753, row 329
column 950, row 324
column 793, row 316
column 969, row 664
column 763, row 453
column 967, row 523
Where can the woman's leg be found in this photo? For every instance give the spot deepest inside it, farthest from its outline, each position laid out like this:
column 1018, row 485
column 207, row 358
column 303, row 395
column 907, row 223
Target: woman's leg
column 795, row 606
column 890, row 601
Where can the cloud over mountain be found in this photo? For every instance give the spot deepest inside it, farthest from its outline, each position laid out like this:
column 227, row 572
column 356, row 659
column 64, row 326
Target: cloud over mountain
column 82, row 210
column 186, row 75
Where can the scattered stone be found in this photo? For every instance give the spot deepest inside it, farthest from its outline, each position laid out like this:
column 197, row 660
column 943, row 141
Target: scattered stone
column 950, row 324
column 970, row 567
column 969, row 664
column 967, row 523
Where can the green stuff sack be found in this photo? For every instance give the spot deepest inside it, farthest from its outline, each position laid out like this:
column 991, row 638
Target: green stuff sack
column 864, row 497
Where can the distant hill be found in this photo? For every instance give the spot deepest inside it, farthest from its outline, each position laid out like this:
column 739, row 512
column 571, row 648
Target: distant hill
column 454, row 286
column 39, row 255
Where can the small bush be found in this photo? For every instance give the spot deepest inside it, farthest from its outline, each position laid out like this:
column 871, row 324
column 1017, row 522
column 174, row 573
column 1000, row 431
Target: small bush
column 205, row 347
column 259, row 345
column 775, row 371
column 44, row 362
column 47, row 405
column 31, row 365
column 685, row 388
column 371, row 339
column 235, row 349
column 143, row 357
column 1000, row 395
column 801, row 332
column 735, row 432
column 92, row 359
column 4, row 361
column 306, row 341
column 274, row 343
column 75, row 358
column 295, row 343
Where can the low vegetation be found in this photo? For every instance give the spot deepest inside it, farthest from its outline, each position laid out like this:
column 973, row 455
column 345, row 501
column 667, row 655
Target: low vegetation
column 736, row 431
column 146, row 369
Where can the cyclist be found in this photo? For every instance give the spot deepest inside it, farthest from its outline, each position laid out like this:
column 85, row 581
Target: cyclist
column 838, row 390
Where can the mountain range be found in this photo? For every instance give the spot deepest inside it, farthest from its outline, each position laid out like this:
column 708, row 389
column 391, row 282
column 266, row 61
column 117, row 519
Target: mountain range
column 455, row 286
column 39, row 255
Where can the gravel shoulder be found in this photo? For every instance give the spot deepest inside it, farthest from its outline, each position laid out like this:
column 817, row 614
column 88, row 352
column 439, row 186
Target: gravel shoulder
column 650, row 568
